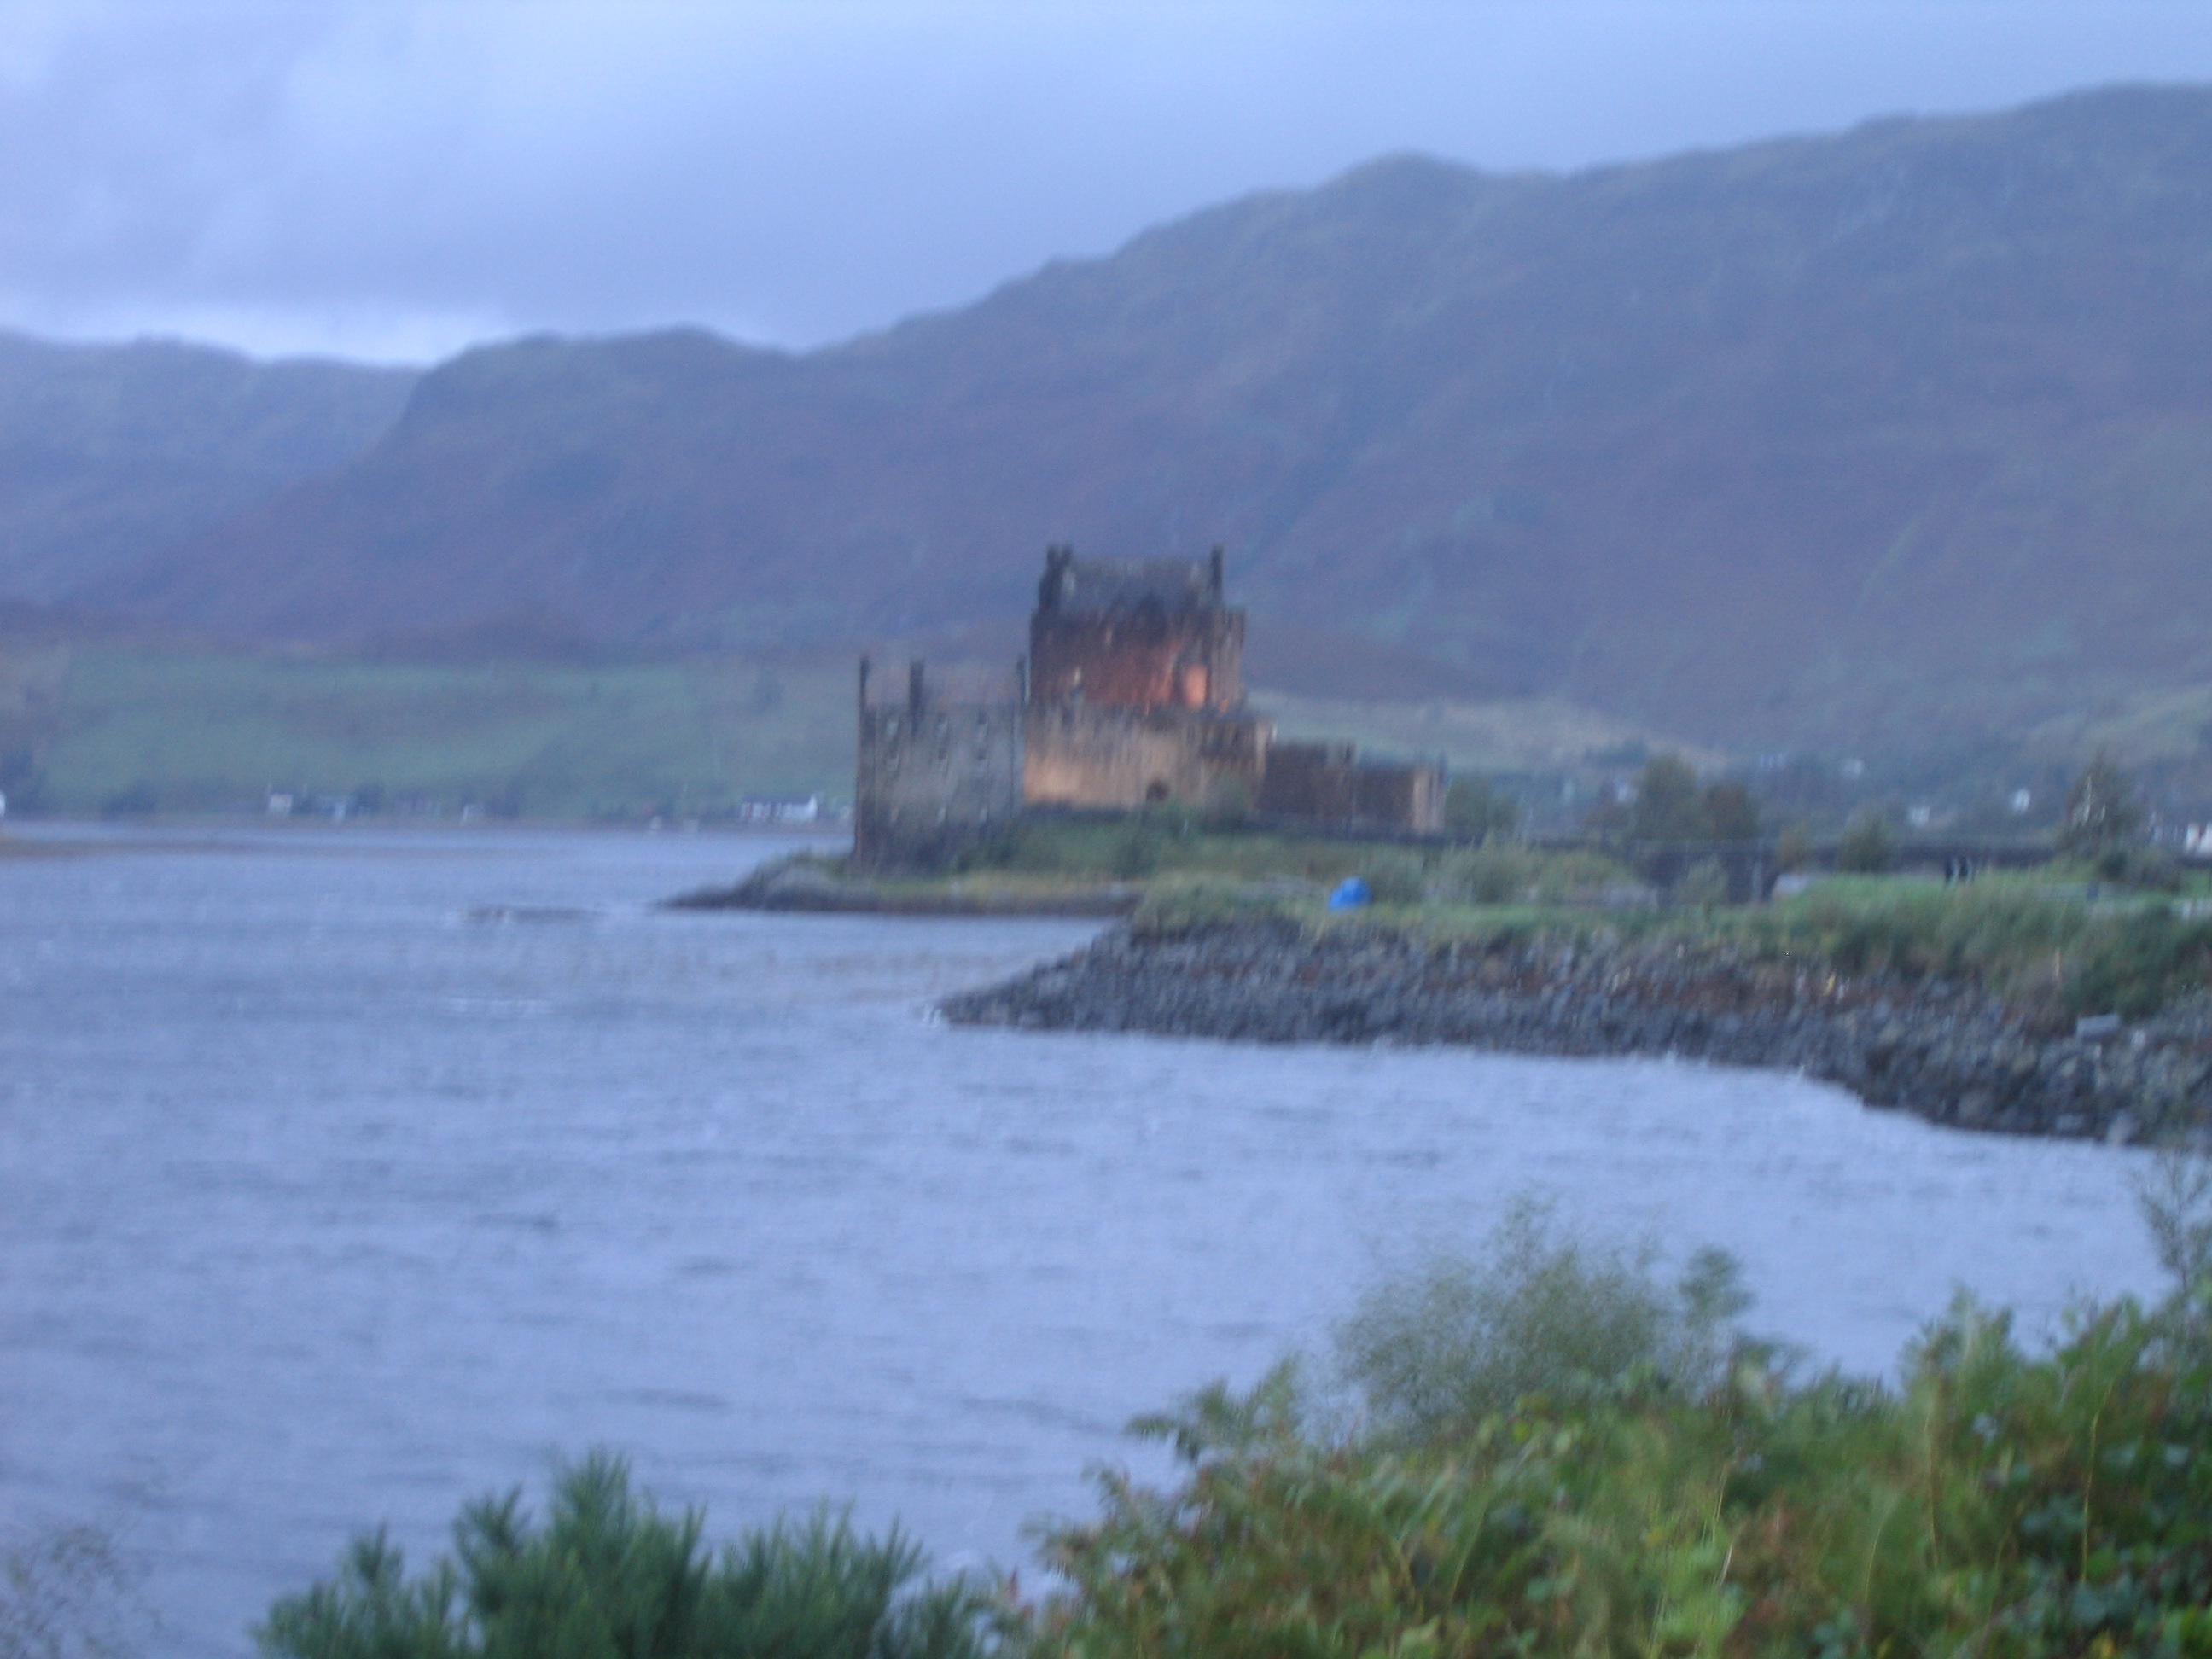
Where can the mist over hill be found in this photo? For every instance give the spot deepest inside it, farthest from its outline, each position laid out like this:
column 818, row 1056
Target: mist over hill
column 1826, row 440
column 111, row 454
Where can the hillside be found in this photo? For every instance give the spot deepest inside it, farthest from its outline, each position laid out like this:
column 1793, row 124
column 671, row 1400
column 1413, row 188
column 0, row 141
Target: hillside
column 110, row 455
column 1834, row 440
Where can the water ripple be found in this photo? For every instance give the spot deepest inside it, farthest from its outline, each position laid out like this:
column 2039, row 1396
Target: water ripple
column 322, row 1203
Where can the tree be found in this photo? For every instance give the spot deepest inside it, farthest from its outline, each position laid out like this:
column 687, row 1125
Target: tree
column 1865, row 849
column 1730, row 813
column 1475, row 811
column 2102, row 811
column 1703, row 886
column 1668, row 805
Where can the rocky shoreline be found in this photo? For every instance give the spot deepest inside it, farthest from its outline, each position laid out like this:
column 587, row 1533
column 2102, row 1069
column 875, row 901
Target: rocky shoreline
column 1949, row 1052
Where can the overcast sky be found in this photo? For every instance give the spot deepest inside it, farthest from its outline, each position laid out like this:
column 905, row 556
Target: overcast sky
column 387, row 179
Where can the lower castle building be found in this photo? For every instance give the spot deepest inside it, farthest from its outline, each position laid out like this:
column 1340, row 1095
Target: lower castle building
column 1131, row 694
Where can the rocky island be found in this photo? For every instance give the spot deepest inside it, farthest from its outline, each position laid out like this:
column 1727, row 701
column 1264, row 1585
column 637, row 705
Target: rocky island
column 1949, row 1047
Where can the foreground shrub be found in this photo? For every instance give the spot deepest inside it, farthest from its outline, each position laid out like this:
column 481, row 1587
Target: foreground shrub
column 1998, row 1502
column 1540, row 1312
column 609, row 1576
column 1551, row 1451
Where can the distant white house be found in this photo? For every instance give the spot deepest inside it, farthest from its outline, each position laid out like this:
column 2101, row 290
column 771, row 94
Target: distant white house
column 780, row 809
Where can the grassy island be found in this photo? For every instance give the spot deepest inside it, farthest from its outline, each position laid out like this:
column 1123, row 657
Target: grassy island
column 2059, row 943
column 2052, row 1001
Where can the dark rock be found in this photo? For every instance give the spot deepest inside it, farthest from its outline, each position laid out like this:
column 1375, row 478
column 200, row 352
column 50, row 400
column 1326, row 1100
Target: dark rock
column 1946, row 1050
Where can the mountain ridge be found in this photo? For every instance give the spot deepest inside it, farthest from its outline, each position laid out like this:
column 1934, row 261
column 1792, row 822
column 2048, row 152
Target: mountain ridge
column 110, row 452
column 1823, row 438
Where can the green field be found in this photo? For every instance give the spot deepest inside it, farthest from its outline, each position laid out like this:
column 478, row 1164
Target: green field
column 126, row 731
column 114, row 729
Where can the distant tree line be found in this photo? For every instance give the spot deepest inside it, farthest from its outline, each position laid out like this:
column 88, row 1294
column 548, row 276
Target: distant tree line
column 1667, row 803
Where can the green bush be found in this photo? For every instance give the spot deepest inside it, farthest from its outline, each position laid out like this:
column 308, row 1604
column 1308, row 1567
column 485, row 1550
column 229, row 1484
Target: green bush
column 608, row 1576
column 1395, row 877
column 2018, row 938
column 2174, row 1196
column 1475, row 811
column 2103, row 813
column 1731, row 814
column 1487, row 875
column 1667, row 806
column 1997, row 1503
column 1866, row 848
column 1559, row 1456
column 1138, row 851
column 1702, row 886
column 1434, row 1351
column 2136, row 969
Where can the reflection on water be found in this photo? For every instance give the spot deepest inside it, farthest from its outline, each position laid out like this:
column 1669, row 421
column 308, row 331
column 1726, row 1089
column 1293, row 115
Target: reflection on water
column 343, row 1178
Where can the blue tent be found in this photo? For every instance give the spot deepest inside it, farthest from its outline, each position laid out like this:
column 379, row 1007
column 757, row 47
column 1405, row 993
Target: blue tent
column 1350, row 895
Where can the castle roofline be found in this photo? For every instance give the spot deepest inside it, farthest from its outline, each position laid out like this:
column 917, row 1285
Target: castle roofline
column 1071, row 584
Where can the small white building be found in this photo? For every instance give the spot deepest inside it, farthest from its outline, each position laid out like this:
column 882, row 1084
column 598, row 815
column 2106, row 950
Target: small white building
column 786, row 809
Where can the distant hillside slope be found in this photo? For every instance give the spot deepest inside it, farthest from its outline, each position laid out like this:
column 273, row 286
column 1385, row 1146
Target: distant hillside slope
column 1837, row 438
column 110, row 455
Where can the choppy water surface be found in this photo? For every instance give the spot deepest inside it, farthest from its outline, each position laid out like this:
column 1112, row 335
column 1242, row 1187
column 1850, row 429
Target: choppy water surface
column 346, row 1177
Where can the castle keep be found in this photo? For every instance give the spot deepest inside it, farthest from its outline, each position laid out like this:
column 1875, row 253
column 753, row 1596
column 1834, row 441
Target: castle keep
column 1133, row 694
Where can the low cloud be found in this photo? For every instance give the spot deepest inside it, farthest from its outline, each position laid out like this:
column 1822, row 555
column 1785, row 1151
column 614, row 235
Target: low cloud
column 387, row 179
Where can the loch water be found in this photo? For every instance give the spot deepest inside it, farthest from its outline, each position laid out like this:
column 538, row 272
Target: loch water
column 346, row 1176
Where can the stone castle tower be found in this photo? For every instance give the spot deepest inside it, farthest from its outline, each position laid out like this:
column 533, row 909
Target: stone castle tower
column 1150, row 636
column 1136, row 687
column 1133, row 694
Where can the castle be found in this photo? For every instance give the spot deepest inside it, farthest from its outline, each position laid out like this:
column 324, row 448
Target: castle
column 1133, row 694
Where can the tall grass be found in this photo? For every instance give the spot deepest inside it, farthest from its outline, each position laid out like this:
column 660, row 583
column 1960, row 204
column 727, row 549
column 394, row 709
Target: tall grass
column 2022, row 939
column 1194, row 869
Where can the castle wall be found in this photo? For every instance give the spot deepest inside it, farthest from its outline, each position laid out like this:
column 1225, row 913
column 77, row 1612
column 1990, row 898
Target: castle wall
column 1083, row 754
column 1410, row 798
column 933, row 780
column 1308, row 781
column 1327, row 782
